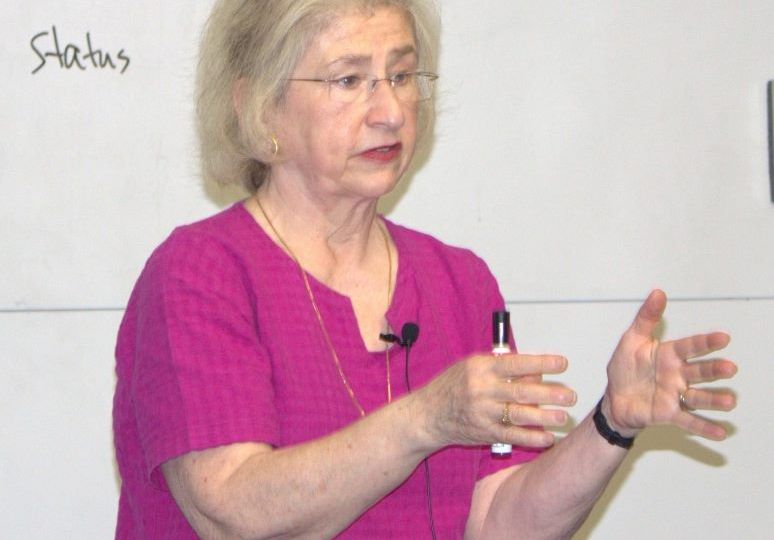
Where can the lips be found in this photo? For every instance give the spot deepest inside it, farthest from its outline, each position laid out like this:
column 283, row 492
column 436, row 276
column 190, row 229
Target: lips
column 383, row 153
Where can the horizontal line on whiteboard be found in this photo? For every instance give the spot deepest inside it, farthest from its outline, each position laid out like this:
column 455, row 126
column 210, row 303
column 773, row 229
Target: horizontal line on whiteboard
column 536, row 301
column 671, row 299
column 43, row 309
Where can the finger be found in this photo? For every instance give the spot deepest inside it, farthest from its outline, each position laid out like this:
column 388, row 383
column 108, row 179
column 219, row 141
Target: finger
column 528, row 379
column 530, row 415
column 537, row 393
column 699, row 345
column 649, row 314
column 709, row 399
column 518, row 365
column 699, row 426
column 708, row 371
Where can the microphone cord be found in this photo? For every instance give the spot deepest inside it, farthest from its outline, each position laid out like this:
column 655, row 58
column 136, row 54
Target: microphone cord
column 426, row 462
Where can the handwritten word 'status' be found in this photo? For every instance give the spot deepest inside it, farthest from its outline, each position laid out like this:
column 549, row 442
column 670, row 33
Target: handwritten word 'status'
column 46, row 45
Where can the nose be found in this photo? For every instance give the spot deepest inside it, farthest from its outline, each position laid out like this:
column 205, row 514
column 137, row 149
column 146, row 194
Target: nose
column 384, row 107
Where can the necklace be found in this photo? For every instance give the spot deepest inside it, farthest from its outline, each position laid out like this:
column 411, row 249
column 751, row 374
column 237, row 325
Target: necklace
column 320, row 320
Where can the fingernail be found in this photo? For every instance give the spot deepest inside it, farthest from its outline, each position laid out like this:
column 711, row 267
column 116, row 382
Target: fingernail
column 567, row 398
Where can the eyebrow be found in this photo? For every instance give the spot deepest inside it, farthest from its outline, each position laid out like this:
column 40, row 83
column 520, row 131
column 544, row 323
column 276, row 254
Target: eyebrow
column 360, row 59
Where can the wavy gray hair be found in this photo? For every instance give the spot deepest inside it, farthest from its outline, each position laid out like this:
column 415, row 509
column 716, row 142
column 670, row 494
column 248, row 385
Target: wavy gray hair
column 260, row 42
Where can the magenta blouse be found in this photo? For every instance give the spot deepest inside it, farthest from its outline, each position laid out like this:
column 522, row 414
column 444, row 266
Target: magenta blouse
column 220, row 344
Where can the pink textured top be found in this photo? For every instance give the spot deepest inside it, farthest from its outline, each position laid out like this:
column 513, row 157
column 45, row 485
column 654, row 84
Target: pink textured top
column 220, row 344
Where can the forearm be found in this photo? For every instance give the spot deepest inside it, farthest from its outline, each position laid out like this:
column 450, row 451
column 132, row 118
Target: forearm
column 551, row 496
column 312, row 490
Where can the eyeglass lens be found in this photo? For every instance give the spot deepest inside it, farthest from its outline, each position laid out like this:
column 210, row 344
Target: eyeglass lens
column 408, row 88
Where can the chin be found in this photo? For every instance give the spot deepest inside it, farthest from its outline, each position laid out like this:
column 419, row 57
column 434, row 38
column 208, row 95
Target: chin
column 374, row 185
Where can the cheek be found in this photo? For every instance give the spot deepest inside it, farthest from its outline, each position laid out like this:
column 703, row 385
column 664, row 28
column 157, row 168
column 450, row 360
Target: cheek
column 325, row 145
column 337, row 140
column 410, row 134
column 412, row 122
column 315, row 137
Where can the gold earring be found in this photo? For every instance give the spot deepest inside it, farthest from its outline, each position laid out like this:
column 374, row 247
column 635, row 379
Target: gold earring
column 276, row 146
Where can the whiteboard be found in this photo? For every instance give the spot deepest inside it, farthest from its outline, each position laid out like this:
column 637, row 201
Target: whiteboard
column 97, row 163
column 587, row 150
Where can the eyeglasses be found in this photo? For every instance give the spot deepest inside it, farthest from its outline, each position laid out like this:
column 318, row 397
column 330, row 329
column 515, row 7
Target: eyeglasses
column 409, row 86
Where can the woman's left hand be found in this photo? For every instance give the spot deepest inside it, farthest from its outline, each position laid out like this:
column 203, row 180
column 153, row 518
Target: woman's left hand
column 650, row 382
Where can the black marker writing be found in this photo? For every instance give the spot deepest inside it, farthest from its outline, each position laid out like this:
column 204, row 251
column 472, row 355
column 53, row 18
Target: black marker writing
column 72, row 56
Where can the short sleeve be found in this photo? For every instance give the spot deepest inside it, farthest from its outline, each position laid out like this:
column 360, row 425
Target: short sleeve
column 486, row 299
column 201, row 377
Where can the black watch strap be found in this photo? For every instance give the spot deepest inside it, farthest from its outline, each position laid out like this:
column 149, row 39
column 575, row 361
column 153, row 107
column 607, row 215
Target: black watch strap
column 604, row 429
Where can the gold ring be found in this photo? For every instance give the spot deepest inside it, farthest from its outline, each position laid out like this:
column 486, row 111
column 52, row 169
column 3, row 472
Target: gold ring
column 683, row 404
column 506, row 418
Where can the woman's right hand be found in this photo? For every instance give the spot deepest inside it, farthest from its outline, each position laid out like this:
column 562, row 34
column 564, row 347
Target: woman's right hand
column 466, row 403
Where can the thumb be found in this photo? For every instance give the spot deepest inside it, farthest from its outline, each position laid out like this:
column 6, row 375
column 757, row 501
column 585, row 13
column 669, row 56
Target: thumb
column 649, row 314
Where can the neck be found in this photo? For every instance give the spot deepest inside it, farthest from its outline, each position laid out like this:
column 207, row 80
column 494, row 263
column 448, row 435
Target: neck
column 346, row 247
column 325, row 237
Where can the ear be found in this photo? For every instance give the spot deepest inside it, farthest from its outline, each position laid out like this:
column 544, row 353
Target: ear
column 240, row 99
column 271, row 119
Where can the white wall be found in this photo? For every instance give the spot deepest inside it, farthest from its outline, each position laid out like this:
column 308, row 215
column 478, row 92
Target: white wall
column 588, row 150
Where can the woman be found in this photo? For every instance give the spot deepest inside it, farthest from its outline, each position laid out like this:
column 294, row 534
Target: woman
column 255, row 396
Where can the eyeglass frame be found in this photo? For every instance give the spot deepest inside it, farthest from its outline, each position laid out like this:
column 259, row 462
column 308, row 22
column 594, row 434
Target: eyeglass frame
column 372, row 82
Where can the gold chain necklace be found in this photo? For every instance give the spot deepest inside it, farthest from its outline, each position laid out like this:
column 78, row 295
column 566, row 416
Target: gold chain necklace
column 320, row 320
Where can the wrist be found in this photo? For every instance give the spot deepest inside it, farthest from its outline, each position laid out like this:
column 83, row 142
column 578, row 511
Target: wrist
column 608, row 429
column 418, row 424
